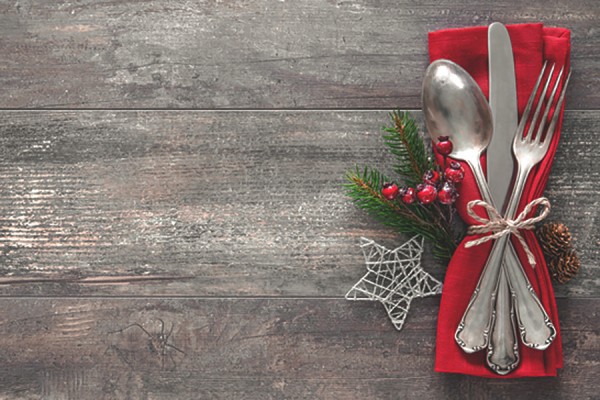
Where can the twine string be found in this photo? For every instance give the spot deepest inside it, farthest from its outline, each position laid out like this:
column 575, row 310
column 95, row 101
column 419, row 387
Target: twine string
column 499, row 226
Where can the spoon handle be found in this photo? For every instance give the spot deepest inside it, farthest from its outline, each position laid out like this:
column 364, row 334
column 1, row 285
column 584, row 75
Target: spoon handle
column 473, row 330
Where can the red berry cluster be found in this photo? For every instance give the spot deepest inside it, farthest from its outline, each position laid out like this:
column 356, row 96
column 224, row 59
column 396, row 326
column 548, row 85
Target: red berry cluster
column 435, row 186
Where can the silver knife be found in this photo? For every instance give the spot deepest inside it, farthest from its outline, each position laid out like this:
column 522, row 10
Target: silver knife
column 503, row 353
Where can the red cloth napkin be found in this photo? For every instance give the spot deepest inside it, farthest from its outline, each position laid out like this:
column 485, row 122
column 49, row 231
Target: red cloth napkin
column 532, row 45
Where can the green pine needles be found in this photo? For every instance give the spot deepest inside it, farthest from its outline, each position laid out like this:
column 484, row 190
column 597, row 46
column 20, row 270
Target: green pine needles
column 412, row 161
column 404, row 142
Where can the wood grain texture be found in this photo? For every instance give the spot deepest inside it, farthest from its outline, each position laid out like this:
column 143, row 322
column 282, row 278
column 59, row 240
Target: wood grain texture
column 257, row 349
column 203, row 254
column 253, row 54
column 219, row 203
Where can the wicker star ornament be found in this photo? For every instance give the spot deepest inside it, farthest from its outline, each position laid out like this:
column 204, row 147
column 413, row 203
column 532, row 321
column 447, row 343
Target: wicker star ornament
column 394, row 278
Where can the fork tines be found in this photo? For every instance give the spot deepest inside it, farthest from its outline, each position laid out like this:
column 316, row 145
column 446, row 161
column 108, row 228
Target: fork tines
column 547, row 105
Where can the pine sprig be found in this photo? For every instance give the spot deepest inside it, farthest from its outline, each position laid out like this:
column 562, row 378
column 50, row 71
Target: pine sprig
column 404, row 142
column 363, row 186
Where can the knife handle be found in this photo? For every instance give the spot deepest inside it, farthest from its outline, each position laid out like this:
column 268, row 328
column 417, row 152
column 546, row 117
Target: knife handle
column 503, row 349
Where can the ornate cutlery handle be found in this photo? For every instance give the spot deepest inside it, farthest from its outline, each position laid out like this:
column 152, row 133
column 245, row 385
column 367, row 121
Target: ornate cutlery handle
column 473, row 330
column 503, row 349
column 536, row 329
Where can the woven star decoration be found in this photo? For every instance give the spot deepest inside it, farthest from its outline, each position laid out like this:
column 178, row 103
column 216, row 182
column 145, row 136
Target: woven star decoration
column 394, row 278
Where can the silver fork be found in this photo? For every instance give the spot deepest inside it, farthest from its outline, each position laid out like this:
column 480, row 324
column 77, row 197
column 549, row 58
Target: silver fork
column 537, row 331
column 535, row 326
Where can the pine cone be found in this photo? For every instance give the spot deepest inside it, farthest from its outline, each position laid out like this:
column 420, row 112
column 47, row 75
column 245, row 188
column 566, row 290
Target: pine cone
column 555, row 239
column 565, row 267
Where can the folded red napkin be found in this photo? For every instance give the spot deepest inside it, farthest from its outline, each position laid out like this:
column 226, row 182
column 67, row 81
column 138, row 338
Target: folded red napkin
column 532, row 45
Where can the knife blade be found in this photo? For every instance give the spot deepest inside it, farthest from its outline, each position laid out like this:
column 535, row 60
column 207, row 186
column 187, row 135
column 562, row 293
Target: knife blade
column 503, row 102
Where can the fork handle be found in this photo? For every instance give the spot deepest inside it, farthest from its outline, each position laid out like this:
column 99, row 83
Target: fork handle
column 535, row 328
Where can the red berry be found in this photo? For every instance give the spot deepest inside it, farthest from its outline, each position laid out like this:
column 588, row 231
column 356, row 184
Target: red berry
column 426, row 193
column 390, row 190
column 407, row 194
column 447, row 193
column 432, row 177
column 454, row 172
column 444, row 145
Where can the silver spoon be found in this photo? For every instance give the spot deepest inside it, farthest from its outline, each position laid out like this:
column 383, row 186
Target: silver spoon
column 454, row 106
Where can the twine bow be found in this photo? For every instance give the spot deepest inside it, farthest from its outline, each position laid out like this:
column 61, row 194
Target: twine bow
column 499, row 226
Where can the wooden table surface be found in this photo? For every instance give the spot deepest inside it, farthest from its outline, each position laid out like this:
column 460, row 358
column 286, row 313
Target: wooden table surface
column 174, row 168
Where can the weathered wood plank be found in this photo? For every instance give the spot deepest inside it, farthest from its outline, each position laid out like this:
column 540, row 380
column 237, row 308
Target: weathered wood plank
column 218, row 203
column 256, row 349
column 253, row 54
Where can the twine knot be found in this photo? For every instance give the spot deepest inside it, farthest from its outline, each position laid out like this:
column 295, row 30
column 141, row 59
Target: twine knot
column 499, row 226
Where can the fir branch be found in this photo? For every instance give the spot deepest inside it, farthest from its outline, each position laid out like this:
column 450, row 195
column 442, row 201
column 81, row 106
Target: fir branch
column 404, row 142
column 364, row 188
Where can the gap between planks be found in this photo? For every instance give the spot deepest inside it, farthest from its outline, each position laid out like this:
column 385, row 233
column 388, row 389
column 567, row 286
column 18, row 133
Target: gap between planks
column 248, row 110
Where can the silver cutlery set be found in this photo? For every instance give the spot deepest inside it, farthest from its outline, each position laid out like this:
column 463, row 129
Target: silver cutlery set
column 504, row 309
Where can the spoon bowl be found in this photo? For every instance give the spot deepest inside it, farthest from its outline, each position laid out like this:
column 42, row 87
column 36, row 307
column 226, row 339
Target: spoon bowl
column 454, row 106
